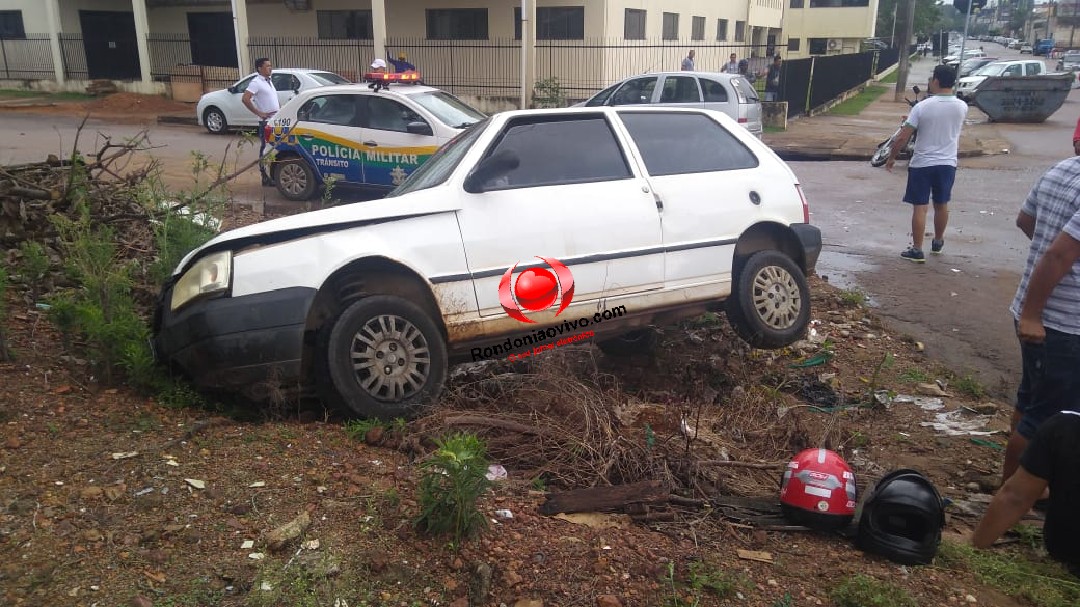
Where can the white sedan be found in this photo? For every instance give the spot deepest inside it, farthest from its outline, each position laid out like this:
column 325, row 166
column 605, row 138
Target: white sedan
column 220, row 110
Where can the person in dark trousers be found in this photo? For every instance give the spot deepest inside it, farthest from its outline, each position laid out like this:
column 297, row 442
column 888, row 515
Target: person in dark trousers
column 932, row 169
column 1051, row 460
column 1046, row 307
column 261, row 99
column 772, row 80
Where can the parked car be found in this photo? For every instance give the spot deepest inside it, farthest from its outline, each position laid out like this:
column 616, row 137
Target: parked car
column 953, row 60
column 728, row 93
column 969, row 66
column 965, row 87
column 360, row 136
column 1069, row 62
column 646, row 215
column 222, row 109
column 1025, row 48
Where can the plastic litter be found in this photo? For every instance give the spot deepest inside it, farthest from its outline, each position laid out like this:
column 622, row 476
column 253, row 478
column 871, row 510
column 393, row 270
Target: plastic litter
column 926, row 403
column 503, row 513
column 496, row 472
column 952, row 423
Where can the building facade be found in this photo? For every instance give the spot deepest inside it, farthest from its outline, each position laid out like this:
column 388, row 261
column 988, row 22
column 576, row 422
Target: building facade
column 828, row 27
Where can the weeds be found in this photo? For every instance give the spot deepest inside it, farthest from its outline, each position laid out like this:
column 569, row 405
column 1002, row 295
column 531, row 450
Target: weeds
column 548, row 93
column 852, row 298
column 35, row 267
column 5, row 353
column 864, row 591
column 453, row 481
column 700, row 577
column 1042, row 583
column 970, row 386
column 915, row 376
column 357, row 429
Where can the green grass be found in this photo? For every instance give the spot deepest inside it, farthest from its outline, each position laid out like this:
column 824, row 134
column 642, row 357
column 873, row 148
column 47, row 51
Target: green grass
column 969, row 386
column 864, row 591
column 1040, row 582
column 6, row 94
column 891, row 78
column 915, row 376
column 852, row 298
column 858, row 103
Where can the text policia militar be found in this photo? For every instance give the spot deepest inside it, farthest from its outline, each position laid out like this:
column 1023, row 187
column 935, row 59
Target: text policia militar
column 538, row 339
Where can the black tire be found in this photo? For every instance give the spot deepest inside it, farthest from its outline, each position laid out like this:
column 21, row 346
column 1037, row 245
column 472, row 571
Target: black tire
column 295, row 179
column 881, row 155
column 769, row 305
column 636, row 342
column 396, row 334
column 214, row 121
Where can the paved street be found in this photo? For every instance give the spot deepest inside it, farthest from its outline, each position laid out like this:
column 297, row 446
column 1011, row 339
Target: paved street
column 956, row 303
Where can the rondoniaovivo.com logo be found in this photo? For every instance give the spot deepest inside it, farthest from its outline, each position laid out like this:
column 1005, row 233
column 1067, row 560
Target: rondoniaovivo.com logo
column 536, row 289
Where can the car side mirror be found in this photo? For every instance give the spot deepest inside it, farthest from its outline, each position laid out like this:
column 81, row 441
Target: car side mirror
column 489, row 168
column 419, row 128
column 233, row 90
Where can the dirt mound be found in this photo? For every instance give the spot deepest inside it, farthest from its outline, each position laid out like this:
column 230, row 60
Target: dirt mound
column 134, row 103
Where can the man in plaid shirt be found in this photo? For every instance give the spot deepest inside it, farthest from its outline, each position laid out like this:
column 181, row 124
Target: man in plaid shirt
column 1047, row 306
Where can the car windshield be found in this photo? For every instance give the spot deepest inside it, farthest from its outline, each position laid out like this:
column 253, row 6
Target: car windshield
column 442, row 163
column 991, row 69
column 326, row 78
column 448, row 109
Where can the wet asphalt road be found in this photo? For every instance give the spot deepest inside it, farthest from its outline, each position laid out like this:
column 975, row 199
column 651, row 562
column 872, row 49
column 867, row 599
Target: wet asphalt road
column 956, row 303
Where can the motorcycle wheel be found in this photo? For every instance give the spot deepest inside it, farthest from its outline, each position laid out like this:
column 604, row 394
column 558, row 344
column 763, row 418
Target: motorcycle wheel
column 881, row 156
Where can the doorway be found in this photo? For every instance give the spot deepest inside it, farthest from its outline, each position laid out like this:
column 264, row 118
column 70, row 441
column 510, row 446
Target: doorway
column 213, row 39
column 112, row 52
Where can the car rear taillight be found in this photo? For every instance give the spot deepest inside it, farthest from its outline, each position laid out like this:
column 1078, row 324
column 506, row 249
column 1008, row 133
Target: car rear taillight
column 805, row 206
column 743, row 120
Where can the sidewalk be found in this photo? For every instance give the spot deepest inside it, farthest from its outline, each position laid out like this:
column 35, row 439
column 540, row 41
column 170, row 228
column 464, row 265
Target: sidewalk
column 827, row 137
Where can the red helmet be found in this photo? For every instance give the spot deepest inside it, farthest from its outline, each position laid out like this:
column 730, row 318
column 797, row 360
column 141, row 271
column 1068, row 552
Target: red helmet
column 818, row 490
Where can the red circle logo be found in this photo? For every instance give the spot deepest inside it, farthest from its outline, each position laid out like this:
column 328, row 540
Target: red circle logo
column 536, row 289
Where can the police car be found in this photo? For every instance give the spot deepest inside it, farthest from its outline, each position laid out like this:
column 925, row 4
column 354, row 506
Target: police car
column 371, row 135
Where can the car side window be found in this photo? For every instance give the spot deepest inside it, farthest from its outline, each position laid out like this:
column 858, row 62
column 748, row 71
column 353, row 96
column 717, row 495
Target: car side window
column 1014, row 70
column 243, row 84
column 602, row 97
column 677, row 144
column 714, row 91
column 680, row 89
column 559, row 150
column 340, row 110
column 635, row 91
column 284, row 82
column 1034, row 69
column 388, row 115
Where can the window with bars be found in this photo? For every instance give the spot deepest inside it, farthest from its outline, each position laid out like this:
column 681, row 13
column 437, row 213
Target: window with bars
column 457, row 23
column 740, row 31
column 345, row 25
column 11, row 24
column 555, row 22
column 698, row 28
column 721, row 29
column 671, row 26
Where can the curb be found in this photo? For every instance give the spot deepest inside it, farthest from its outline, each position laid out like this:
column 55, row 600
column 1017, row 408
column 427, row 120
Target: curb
column 185, row 120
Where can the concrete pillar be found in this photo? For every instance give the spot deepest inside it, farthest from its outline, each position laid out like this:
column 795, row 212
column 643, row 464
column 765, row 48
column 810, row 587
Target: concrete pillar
column 52, row 12
column 378, row 27
column 142, row 30
column 240, row 28
column 528, row 51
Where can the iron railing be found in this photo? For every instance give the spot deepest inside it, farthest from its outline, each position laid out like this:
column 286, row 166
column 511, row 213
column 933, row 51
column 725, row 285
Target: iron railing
column 349, row 58
column 166, row 52
column 27, row 58
column 73, row 53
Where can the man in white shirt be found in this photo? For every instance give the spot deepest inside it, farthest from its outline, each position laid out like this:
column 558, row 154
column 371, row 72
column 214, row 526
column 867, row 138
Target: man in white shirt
column 261, row 99
column 932, row 168
column 688, row 62
column 732, row 66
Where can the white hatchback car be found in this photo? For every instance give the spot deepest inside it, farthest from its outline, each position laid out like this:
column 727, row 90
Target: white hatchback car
column 728, row 93
column 530, row 230
column 222, row 109
column 357, row 135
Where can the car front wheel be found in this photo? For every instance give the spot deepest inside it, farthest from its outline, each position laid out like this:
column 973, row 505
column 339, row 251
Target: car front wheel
column 295, row 179
column 770, row 301
column 385, row 357
column 214, row 120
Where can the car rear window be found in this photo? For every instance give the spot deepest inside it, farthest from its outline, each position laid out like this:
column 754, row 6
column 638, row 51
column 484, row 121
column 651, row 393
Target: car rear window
column 747, row 94
column 714, row 91
column 686, row 142
column 326, row 78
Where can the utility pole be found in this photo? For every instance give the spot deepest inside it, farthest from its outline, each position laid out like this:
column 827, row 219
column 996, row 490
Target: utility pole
column 892, row 36
column 963, row 41
column 905, row 53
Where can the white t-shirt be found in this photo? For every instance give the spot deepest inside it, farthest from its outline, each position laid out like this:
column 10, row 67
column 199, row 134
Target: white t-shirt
column 263, row 95
column 938, row 119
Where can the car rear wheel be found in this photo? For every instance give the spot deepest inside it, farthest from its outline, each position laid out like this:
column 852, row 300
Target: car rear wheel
column 295, row 179
column 769, row 306
column 214, row 120
column 385, row 358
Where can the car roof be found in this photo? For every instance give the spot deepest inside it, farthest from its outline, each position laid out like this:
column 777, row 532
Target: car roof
column 362, row 87
column 651, row 109
column 686, row 73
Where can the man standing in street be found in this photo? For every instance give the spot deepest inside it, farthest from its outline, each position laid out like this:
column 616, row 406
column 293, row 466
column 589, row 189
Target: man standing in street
column 772, row 80
column 1047, row 306
column 261, row 99
column 932, row 168
column 732, row 66
column 688, row 62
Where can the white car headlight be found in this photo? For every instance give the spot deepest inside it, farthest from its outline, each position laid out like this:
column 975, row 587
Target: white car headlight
column 209, row 275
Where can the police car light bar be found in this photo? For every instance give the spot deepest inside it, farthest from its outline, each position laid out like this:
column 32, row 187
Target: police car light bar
column 387, row 78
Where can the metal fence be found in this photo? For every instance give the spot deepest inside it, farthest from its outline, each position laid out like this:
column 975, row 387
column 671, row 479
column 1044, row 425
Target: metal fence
column 167, row 51
column 73, row 53
column 349, row 58
column 28, row 58
column 886, row 59
column 807, row 84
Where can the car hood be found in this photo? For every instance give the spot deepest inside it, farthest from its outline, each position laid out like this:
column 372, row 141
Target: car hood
column 424, row 202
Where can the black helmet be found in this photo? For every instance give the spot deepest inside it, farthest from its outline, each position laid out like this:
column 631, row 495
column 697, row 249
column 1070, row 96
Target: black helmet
column 902, row 519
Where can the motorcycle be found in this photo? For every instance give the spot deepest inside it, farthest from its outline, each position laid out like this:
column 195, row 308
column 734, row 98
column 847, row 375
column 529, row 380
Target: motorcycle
column 881, row 156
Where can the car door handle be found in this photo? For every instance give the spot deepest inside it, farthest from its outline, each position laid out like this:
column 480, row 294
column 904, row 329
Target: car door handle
column 371, row 144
